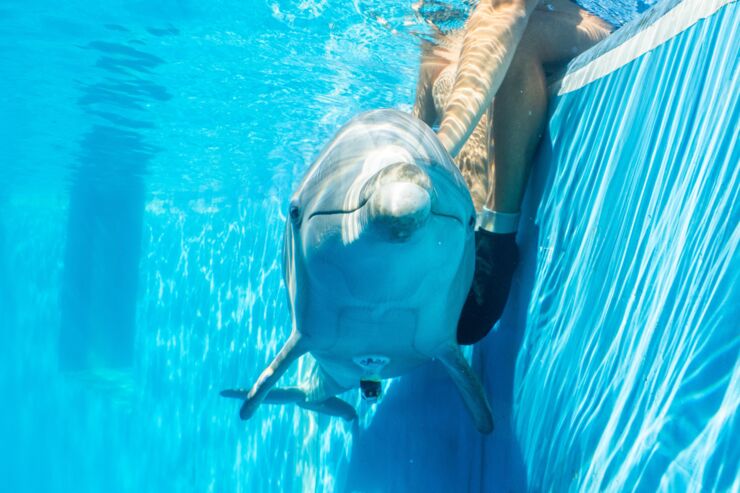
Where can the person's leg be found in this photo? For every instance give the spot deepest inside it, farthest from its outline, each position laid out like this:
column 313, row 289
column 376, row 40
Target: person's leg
column 519, row 112
column 518, row 115
column 436, row 76
column 497, row 254
column 557, row 32
column 473, row 164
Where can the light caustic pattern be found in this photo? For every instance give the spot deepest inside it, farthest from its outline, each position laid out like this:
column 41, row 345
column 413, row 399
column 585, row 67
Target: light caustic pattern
column 245, row 100
column 213, row 314
column 628, row 378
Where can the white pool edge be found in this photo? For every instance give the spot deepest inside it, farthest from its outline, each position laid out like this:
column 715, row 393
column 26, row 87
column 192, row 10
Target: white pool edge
column 671, row 24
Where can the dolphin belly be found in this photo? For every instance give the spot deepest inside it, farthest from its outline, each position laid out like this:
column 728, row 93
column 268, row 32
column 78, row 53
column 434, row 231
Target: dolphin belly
column 390, row 333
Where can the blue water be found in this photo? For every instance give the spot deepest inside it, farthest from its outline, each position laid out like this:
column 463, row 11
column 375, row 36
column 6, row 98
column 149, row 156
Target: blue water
column 148, row 153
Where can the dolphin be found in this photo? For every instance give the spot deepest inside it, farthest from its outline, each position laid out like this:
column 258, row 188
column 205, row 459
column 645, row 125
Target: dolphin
column 378, row 259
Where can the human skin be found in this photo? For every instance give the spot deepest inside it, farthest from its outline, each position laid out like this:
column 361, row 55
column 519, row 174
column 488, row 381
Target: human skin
column 504, row 51
column 491, row 35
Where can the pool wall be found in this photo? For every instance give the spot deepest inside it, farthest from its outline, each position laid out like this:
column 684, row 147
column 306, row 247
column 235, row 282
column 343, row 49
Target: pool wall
column 628, row 376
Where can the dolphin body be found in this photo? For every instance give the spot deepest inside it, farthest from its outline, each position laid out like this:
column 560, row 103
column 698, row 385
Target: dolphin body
column 378, row 259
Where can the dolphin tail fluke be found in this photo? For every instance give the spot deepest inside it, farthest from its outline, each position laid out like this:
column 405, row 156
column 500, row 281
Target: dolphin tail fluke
column 288, row 395
column 333, row 406
column 290, row 352
column 234, row 393
column 470, row 388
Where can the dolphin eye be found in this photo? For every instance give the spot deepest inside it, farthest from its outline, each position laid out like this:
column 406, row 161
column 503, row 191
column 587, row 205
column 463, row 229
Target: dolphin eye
column 295, row 213
column 471, row 222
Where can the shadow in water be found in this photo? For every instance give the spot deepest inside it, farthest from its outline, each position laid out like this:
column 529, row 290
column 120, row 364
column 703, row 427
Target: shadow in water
column 422, row 438
column 101, row 263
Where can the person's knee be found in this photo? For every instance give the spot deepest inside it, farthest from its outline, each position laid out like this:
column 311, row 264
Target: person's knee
column 527, row 64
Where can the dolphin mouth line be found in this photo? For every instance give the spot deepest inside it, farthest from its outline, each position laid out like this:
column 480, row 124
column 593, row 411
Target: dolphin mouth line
column 337, row 211
column 350, row 211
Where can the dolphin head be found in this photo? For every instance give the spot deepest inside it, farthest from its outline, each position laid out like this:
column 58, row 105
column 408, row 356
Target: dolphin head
column 381, row 208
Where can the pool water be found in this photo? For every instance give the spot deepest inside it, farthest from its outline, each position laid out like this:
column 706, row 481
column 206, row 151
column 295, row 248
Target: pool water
column 148, row 153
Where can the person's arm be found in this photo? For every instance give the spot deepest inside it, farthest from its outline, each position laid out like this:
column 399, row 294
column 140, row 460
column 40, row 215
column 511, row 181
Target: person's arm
column 492, row 34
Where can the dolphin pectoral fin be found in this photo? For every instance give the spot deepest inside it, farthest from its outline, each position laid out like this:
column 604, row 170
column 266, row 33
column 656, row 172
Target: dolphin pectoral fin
column 470, row 388
column 333, row 406
column 290, row 352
